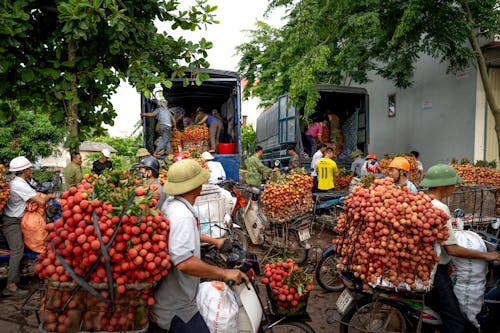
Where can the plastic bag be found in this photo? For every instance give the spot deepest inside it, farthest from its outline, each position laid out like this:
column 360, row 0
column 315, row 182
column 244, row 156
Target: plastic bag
column 469, row 276
column 33, row 227
column 218, row 307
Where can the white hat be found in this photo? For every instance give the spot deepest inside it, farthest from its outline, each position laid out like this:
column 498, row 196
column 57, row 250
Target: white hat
column 19, row 164
column 106, row 152
column 207, row 156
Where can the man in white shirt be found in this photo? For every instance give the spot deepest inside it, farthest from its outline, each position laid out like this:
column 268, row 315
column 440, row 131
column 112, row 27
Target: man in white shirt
column 20, row 193
column 217, row 173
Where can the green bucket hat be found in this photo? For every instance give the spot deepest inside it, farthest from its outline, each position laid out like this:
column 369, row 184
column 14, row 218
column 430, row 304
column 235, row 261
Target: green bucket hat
column 440, row 175
column 184, row 176
column 141, row 152
column 356, row 153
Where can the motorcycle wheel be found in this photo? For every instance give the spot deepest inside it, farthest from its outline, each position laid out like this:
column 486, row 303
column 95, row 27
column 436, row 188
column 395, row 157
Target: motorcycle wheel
column 295, row 250
column 292, row 327
column 327, row 274
column 369, row 316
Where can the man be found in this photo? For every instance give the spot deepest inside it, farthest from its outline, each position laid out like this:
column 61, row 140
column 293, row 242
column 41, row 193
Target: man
column 294, row 162
column 217, row 172
column 420, row 166
column 166, row 121
column 102, row 163
column 149, row 168
column 20, row 193
column 370, row 165
column 255, row 168
column 316, row 157
column 358, row 161
column 214, row 125
column 398, row 171
column 175, row 307
column 313, row 136
column 441, row 180
column 142, row 152
column 72, row 173
column 326, row 169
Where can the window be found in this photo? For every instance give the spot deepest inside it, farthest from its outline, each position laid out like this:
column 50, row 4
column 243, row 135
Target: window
column 391, row 105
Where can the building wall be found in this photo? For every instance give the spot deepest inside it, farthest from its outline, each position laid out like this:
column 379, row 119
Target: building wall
column 436, row 116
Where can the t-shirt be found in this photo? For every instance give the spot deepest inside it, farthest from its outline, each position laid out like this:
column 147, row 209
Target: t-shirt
column 444, row 258
column 317, row 155
column 356, row 166
column 217, row 172
column 163, row 116
column 176, row 293
column 255, row 169
column 294, row 162
column 98, row 166
column 326, row 169
column 72, row 175
column 20, row 193
column 315, row 130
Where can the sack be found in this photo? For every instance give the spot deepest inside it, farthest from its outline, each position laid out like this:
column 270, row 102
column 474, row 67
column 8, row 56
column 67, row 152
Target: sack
column 33, row 227
column 218, row 307
column 469, row 276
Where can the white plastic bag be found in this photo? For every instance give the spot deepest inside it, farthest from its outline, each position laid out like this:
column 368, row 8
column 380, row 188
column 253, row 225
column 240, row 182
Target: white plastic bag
column 469, row 276
column 218, row 306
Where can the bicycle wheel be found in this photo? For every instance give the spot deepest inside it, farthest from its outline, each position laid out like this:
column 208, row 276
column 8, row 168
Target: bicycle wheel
column 327, row 274
column 292, row 327
column 373, row 317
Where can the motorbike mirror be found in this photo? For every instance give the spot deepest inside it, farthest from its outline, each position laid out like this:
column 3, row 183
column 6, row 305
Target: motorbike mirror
column 277, row 163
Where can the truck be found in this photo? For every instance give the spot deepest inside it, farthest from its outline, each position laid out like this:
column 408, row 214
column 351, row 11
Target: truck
column 221, row 92
column 282, row 124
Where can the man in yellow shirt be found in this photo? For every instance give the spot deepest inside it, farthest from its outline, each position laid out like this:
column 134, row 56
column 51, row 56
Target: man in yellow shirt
column 326, row 169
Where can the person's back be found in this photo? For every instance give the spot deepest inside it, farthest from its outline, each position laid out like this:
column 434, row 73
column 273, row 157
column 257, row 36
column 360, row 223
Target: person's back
column 326, row 169
column 255, row 168
column 217, row 172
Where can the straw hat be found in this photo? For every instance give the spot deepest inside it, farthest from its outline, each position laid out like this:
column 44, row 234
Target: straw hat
column 141, row 152
column 184, row 176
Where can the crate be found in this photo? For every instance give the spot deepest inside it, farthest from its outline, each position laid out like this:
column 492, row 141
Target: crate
column 212, row 205
column 62, row 309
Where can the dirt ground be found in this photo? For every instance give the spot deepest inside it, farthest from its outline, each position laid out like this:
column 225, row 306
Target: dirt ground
column 14, row 320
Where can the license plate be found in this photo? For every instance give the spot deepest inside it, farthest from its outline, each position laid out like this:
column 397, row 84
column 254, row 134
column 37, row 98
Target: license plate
column 304, row 235
column 344, row 301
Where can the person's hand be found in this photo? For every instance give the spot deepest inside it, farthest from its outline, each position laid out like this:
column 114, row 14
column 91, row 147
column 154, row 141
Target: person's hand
column 235, row 275
column 492, row 256
column 276, row 169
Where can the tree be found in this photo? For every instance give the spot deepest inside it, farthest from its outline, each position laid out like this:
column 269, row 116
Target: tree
column 67, row 57
column 339, row 41
column 247, row 140
column 32, row 135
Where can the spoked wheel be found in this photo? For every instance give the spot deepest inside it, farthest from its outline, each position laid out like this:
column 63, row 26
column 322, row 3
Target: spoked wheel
column 292, row 327
column 374, row 317
column 327, row 274
column 294, row 249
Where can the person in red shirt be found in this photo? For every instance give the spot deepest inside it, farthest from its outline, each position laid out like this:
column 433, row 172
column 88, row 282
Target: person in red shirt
column 313, row 135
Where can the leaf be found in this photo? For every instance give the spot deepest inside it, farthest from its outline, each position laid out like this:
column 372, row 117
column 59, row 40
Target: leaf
column 27, row 75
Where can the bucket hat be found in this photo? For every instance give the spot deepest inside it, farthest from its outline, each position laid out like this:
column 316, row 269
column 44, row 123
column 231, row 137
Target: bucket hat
column 184, row 176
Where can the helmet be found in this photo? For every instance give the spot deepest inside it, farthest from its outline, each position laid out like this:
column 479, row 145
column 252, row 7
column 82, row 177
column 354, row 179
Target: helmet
column 184, row 176
column 141, row 152
column 19, row 164
column 356, row 153
column 150, row 163
column 371, row 157
column 440, row 175
column 400, row 163
column 207, row 156
column 106, row 152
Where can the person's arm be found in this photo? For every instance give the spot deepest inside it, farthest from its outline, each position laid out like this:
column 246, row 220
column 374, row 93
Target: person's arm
column 217, row 242
column 147, row 114
column 462, row 252
column 196, row 267
column 203, row 119
column 262, row 168
column 42, row 201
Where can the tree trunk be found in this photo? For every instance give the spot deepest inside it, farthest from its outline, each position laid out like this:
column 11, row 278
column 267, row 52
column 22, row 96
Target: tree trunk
column 483, row 71
column 73, row 105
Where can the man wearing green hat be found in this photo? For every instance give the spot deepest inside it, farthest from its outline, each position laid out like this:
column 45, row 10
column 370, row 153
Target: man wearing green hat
column 175, row 307
column 358, row 161
column 441, row 180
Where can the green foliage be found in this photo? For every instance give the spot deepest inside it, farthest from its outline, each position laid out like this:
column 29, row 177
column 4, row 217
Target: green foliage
column 32, row 135
column 340, row 41
column 68, row 57
column 247, row 141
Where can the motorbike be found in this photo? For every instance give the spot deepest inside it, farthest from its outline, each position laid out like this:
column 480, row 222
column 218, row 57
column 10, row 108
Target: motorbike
column 380, row 310
column 327, row 273
column 256, row 312
column 27, row 268
column 327, row 206
column 290, row 238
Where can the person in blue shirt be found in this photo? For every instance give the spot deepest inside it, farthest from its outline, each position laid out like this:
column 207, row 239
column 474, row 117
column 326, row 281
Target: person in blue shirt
column 214, row 127
column 398, row 170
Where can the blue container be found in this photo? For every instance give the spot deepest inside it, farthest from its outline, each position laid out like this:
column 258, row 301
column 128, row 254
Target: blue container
column 231, row 165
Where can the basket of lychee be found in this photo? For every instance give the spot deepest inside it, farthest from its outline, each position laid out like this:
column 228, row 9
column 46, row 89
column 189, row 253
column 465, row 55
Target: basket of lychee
column 288, row 287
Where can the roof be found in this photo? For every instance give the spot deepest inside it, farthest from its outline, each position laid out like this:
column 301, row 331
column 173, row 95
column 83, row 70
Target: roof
column 91, row 146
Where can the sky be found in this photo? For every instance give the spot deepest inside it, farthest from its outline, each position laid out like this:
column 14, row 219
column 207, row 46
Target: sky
column 234, row 17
